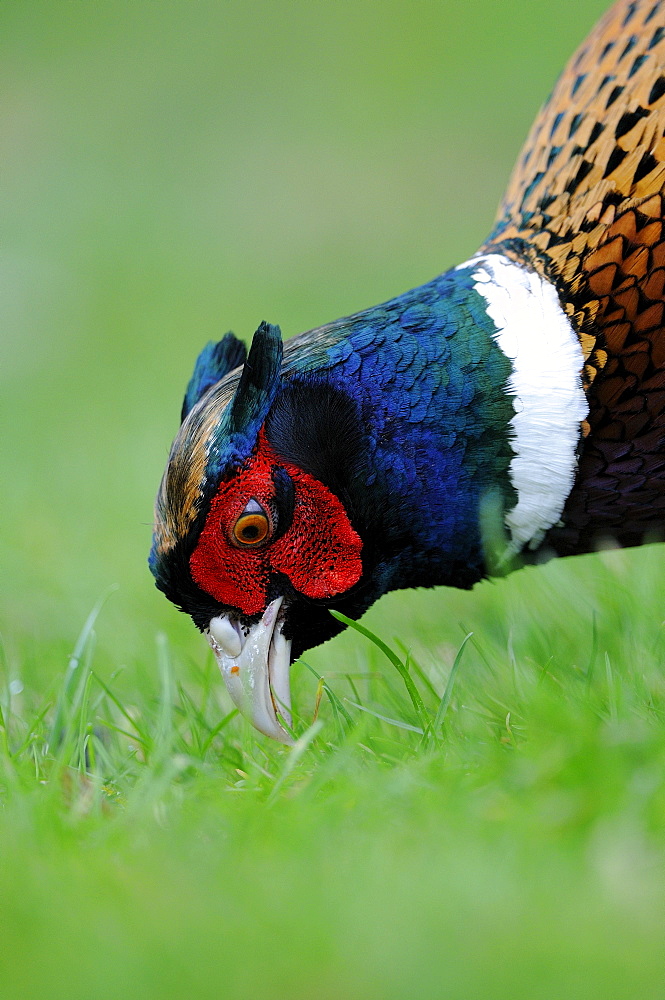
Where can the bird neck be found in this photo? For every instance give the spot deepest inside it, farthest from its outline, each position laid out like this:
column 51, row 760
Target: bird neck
column 471, row 393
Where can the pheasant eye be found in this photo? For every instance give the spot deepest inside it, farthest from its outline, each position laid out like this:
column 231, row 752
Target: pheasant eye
column 252, row 527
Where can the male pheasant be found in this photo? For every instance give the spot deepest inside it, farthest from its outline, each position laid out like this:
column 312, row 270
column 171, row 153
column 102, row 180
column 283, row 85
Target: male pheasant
column 510, row 408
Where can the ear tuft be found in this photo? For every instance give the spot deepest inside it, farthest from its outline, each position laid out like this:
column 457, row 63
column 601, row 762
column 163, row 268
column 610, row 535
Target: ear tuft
column 214, row 362
column 237, row 431
column 259, row 379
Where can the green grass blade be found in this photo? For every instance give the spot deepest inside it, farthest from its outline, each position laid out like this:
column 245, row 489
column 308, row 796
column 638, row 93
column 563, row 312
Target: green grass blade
column 386, row 718
column 144, row 738
column 216, row 730
column 448, row 693
column 392, row 656
column 72, row 671
column 332, row 697
column 300, row 747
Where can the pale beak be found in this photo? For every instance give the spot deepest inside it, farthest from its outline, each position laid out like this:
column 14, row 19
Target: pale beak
column 255, row 665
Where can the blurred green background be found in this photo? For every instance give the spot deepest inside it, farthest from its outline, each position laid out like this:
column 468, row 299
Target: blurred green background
column 173, row 170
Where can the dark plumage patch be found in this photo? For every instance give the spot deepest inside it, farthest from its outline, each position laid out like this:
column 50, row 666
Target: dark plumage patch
column 554, row 152
column 260, row 374
column 615, row 93
column 657, row 90
column 579, row 80
column 629, row 14
column 555, row 124
column 647, row 163
column 628, row 120
column 582, row 172
column 534, row 184
column 596, row 132
column 575, row 123
column 657, row 37
column 317, row 427
column 285, row 495
column 616, row 157
column 629, row 46
column 652, row 13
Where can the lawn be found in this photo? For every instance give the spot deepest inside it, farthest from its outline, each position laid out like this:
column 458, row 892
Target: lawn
column 169, row 172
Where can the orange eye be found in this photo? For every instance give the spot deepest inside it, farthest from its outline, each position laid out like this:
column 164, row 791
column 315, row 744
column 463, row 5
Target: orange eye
column 251, row 528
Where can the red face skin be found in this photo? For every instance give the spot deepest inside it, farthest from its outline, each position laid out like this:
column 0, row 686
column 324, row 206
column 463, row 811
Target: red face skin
column 320, row 552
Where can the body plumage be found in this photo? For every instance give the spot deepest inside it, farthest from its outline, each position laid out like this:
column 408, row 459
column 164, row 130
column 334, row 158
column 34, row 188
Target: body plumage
column 510, row 408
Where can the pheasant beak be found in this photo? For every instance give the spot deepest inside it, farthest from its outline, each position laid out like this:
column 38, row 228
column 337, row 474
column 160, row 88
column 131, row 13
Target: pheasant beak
column 255, row 667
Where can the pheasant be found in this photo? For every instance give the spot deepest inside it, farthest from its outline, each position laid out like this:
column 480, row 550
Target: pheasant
column 509, row 409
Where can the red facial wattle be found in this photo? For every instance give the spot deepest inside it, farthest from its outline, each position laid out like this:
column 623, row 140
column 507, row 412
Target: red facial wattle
column 319, row 553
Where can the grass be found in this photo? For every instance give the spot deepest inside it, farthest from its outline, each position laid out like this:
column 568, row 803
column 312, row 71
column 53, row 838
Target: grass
column 482, row 812
column 461, row 818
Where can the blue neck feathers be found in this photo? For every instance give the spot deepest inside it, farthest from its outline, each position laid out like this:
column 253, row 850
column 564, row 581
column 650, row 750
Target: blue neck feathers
column 428, row 384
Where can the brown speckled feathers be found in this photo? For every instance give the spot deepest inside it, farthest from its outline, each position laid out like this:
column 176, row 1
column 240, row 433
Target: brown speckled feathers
column 585, row 207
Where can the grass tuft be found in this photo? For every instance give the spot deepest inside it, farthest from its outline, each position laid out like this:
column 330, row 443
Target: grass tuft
column 500, row 798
